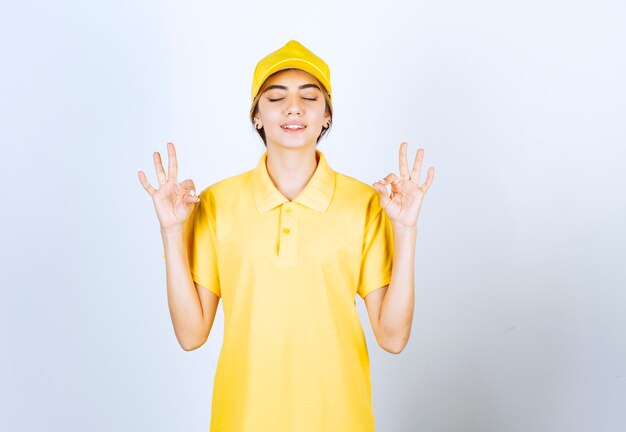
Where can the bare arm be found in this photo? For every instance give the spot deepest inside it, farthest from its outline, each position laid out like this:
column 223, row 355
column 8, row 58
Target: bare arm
column 392, row 308
column 192, row 307
column 396, row 309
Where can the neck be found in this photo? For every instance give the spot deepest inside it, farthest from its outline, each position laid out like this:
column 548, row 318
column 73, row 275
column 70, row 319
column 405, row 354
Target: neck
column 291, row 168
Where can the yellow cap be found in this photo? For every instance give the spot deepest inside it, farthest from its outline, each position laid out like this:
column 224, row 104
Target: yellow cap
column 291, row 55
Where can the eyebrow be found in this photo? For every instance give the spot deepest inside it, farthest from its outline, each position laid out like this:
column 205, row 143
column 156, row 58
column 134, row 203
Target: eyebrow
column 303, row 86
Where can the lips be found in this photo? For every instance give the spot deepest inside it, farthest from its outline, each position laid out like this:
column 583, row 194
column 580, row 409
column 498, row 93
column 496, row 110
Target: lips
column 293, row 130
column 293, row 125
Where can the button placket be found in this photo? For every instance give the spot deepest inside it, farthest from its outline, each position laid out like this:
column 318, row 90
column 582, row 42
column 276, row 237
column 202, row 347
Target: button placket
column 288, row 240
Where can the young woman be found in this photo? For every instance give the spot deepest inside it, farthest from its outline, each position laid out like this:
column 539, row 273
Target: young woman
column 287, row 246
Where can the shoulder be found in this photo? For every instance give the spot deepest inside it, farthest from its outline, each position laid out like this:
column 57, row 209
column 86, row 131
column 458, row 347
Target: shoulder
column 227, row 188
column 359, row 193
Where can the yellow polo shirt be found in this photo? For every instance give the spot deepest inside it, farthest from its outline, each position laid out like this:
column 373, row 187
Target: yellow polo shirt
column 294, row 356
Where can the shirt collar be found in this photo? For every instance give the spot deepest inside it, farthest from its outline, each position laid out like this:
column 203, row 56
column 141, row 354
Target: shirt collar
column 316, row 194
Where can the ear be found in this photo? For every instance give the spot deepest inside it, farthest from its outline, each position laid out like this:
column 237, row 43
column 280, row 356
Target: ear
column 327, row 118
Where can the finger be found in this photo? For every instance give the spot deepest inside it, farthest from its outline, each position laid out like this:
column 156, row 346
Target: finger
column 188, row 185
column 189, row 190
column 417, row 165
column 190, row 199
column 429, row 179
column 404, row 166
column 145, row 183
column 392, row 179
column 158, row 166
column 382, row 193
column 172, row 169
column 380, row 186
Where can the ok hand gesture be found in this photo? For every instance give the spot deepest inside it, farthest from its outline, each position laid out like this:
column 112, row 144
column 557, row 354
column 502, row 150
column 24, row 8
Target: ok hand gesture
column 404, row 203
column 173, row 201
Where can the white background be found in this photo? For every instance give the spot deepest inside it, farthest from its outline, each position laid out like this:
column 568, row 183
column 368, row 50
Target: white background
column 520, row 260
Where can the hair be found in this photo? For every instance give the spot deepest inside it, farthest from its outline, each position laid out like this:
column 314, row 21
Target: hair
column 255, row 104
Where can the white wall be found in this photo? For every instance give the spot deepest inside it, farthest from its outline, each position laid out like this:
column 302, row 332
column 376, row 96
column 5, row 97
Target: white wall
column 519, row 319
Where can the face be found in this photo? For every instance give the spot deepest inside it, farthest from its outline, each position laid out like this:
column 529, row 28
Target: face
column 292, row 96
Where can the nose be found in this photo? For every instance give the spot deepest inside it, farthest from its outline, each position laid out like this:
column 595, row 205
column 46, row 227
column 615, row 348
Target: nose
column 294, row 107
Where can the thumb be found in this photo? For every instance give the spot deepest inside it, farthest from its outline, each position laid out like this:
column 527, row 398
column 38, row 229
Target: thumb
column 189, row 191
column 380, row 188
column 382, row 193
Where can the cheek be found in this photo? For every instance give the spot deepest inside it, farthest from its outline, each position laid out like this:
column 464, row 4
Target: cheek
column 268, row 111
column 315, row 113
column 272, row 116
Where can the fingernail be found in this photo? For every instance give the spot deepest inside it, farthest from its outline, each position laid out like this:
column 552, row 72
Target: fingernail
column 192, row 192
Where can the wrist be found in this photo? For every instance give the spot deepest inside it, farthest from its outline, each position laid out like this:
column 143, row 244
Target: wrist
column 174, row 231
column 402, row 228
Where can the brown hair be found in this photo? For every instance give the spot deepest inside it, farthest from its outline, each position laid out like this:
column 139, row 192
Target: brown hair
column 255, row 103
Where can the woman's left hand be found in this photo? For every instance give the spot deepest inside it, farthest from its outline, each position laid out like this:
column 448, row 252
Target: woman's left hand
column 404, row 203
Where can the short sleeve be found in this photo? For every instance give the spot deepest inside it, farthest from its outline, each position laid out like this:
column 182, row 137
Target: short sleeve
column 201, row 244
column 377, row 256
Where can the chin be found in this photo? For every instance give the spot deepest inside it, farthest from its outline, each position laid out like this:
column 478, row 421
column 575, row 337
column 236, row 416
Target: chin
column 301, row 140
column 295, row 143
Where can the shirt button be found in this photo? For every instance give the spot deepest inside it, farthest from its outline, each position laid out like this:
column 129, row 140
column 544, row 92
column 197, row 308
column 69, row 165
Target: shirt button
column 286, row 230
column 288, row 210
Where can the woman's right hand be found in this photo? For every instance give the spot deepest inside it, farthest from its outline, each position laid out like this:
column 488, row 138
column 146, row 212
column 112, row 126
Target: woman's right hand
column 173, row 201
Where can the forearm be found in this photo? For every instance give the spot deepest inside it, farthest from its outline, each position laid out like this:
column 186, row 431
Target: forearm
column 182, row 296
column 396, row 313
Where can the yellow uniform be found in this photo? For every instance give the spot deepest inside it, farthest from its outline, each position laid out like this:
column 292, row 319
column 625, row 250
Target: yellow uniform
column 294, row 356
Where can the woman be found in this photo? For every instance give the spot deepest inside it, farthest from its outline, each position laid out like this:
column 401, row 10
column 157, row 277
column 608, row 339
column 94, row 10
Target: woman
column 287, row 246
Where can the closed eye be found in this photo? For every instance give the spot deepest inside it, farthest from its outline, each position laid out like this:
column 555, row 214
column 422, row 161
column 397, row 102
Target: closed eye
column 309, row 99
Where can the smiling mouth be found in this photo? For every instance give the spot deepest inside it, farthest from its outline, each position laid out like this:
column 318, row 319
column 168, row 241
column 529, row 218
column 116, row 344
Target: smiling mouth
column 293, row 129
